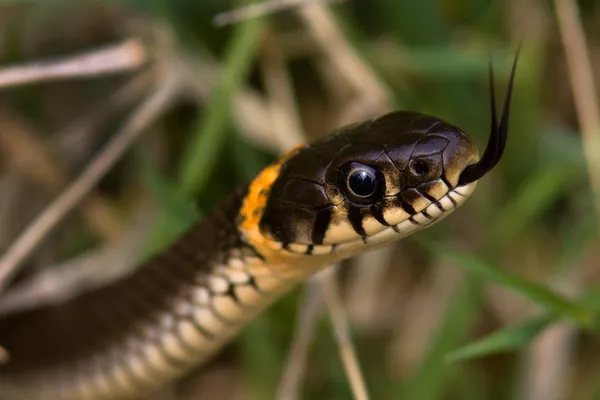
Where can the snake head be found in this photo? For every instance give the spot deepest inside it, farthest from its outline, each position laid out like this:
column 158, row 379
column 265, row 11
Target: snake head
column 367, row 184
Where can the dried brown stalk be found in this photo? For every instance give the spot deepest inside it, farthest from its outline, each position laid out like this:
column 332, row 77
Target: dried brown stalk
column 123, row 57
column 148, row 111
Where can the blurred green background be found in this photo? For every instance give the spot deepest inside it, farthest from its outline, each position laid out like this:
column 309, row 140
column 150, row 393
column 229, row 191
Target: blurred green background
column 497, row 302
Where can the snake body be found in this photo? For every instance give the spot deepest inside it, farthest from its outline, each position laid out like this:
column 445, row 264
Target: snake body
column 360, row 188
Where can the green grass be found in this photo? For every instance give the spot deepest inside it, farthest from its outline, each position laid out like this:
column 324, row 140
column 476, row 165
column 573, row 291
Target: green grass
column 512, row 338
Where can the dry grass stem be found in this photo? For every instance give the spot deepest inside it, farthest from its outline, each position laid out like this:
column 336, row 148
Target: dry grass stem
column 11, row 186
column 421, row 315
column 255, row 121
column 124, row 57
column 341, row 328
column 346, row 61
column 311, row 306
column 284, row 110
column 142, row 117
column 259, row 10
column 66, row 280
column 582, row 84
column 19, row 145
column 550, row 355
column 368, row 276
column 68, row 141
column 4, row 356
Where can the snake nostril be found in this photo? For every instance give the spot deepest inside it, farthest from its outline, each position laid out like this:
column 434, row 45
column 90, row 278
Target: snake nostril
column 419, row 167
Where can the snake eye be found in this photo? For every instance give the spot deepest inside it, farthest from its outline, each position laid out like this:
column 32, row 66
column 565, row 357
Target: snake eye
column 362, row 182
column 419, row 167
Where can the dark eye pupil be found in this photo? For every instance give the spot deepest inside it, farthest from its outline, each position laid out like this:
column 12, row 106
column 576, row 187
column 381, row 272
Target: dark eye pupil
column 419, row 167
column 362, row 182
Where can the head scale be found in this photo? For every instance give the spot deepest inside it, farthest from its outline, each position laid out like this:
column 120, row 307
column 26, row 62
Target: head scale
column 367, row 184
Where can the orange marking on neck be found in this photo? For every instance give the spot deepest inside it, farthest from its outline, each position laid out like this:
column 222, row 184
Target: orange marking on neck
column 255, row 202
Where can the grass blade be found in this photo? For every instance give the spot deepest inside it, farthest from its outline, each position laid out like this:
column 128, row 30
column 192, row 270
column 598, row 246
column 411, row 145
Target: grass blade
column 205, row 147
column 539, row 294
column 511, row 338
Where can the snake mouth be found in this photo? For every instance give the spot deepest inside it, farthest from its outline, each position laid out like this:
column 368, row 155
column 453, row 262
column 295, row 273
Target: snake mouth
column 498, row 133
column 432, row 212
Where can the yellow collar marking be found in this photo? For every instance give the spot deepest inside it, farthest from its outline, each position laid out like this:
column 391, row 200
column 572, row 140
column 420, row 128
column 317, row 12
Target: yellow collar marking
column 253, row 208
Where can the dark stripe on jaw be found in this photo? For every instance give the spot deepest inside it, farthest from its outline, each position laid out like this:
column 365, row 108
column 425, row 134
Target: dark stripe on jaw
column 309, row 250
column 431, row 199
column 377, row 213
column 356, row 220
column 439, row 205
column 321, row 225
column 452, row 200
column 426, row 215
column 406, row 207
column 412, row 221
column 446, row 182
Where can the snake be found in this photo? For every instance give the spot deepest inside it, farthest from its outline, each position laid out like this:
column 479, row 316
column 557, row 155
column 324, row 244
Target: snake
column 360, row 188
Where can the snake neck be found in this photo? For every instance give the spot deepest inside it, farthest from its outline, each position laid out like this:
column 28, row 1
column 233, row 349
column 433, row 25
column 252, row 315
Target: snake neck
column 138, row 334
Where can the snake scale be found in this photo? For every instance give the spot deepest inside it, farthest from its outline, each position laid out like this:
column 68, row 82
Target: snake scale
column 360, row 188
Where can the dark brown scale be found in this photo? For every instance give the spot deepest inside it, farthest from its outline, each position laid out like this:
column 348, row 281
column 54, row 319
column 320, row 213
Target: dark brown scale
column 301, row 231
column 298, row 192
column 430, row 145
column 453, row 151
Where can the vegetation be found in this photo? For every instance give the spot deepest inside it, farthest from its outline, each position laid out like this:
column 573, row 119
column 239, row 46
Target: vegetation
column 499, row 301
